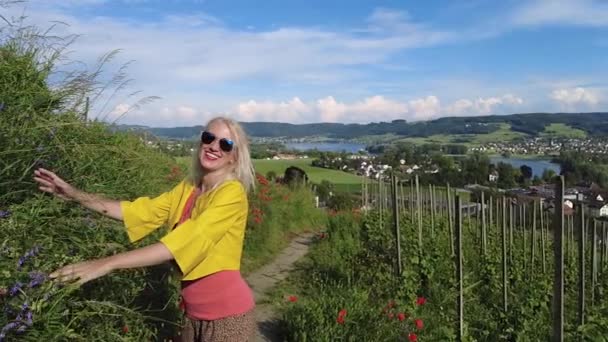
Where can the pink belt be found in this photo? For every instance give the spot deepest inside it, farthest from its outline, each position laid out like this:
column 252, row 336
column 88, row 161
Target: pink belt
column 216, row 296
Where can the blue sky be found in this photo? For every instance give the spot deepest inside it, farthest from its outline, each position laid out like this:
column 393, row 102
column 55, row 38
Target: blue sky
column 339, row 61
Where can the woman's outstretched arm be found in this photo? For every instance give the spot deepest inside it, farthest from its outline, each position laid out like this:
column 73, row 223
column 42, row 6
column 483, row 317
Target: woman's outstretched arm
column 83, row 272
column 53, row 184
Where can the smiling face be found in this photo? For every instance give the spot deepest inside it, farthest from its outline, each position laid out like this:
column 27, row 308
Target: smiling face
column 212, row 157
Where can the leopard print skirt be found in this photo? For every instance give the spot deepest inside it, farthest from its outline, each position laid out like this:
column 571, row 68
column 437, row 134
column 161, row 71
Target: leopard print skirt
column 239, row 328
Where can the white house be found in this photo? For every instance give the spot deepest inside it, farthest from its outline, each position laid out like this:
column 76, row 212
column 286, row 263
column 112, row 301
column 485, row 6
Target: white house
column 493, row 176
column 600, row 210
column 604, row 210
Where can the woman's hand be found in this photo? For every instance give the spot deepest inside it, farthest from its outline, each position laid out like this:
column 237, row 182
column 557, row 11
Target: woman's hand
column 53, row 184
column 83, row 271
column 88, row 270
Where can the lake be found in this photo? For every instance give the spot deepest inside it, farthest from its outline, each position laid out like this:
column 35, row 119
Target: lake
column 327, row 147
column 537, row 165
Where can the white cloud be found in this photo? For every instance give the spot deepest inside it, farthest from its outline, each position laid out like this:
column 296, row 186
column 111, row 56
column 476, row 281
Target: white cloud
column 372, row 107
column 291, row 111
column 571, row 12
column 120, row 109
column 483, row 106
column 200, row 48
column 426, row 108
column 378, row 107
column 575, row 98
column 330, row 109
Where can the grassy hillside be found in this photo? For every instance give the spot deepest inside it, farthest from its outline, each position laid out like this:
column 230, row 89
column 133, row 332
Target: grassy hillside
column 342, row 180
column 559, row 130
column 503, row 134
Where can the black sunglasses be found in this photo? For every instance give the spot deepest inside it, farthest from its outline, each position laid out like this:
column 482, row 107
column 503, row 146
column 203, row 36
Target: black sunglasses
column 225, row 144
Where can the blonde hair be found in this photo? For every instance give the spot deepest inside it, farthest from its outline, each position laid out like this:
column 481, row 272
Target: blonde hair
column 243, row 168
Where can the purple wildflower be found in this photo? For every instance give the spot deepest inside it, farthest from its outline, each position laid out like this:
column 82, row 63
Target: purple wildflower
column 4, row 213
column 15, row 289
column 29, row 318
column 7, row 328
column 36, row 279
column 31, row 253
column 20, row 324
column 21, row 262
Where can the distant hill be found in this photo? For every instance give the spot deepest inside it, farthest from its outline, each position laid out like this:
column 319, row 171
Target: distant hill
column 531, row 124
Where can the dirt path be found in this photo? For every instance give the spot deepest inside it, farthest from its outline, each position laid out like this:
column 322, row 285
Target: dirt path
column 267, row 277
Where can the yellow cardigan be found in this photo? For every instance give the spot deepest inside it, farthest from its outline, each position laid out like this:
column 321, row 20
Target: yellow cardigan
column 210, row 241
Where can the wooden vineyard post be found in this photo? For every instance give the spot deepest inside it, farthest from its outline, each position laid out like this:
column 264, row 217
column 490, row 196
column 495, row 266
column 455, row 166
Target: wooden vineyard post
column 543, row 236
column 419, row 211
column 533, row 238
column 401, row 200
column 450, row 217
column 604, row 246
column 511, row 219
column 484, row 240
column 471, row 229
column 490, row 211
column 459, row 273
column 594, row 262
column 412, row 206
column 567, row 233
column 581, row 265
column 380, row 202
column 571, row 243
column 364, row 192
column 504, row 255
column 432, row 212
column 396, row 224
column 558, row 273
column 523, row 230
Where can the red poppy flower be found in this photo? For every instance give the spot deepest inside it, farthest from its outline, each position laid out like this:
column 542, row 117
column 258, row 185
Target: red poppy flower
column 419, row 324
column 412, row 337
column 125, row 329
column 401, row 316
column 420, row 301
column 340, row 320
column 293, row 299
column 342, row 313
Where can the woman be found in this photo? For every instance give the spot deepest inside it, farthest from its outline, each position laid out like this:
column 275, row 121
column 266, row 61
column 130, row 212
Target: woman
column 207, row 214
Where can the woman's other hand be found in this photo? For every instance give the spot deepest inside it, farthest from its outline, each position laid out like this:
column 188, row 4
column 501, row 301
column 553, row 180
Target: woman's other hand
column 53, row 184
column 83, row 272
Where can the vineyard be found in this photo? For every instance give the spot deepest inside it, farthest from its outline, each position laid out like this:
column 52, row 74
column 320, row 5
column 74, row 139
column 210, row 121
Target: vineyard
column 416, row 268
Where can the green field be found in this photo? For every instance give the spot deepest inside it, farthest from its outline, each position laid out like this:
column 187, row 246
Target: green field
column 563, row 131
column 503, row 134
column 342, row 180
